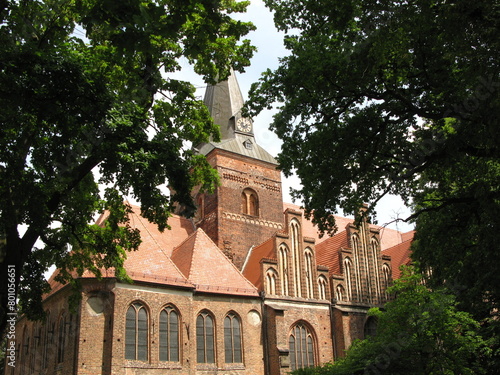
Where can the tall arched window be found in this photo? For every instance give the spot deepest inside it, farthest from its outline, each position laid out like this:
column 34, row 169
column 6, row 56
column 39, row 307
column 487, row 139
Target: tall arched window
column 348, row 277
column 136, row 332
column 249, row 202
column 370, row 327
column 283, row 269
column 322, row 287
column 340, row 293
column 271, row 278
column 169, row 335
column 232, row 339
column 386, row 272
column 61, row 338
column 294, row 237
column 308, row 258
column 46, row 340
column 205, row 340
column 375, row 252
column 301, row 344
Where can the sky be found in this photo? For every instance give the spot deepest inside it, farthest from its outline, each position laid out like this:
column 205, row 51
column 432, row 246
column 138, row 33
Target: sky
column 269, row 43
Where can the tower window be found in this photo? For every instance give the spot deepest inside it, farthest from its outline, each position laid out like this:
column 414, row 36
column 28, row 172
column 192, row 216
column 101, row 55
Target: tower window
column 249, row 202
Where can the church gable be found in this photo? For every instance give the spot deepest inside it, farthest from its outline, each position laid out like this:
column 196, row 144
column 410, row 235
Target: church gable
column 204, row 265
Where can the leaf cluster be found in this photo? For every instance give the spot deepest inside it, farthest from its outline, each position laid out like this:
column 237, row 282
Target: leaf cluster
column 88, row 99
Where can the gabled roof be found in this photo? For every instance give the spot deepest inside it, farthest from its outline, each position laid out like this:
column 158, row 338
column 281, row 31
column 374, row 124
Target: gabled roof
column 328, row 252
column 205, row 265
column 251, row 269
column 400, row 254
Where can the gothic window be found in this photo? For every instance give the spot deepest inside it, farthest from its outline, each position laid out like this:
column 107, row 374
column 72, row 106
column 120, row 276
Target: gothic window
column 61, row 338
column 309, row 272
column 375, row 252
column 46, row 340
column 294, row 237
column 301, row 344
column 205, row 340
column 348, row 277
column 371, row 327
column 386, row 271
column 322, row 287
column 169, row 335
column 340, row 293
column 232, row 339
column 136, row 332
column 283, row 269
column 249, row 202
column 271, row 277
column 200, row 207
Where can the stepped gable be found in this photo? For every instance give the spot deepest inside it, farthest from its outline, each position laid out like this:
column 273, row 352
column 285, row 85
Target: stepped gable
column 328, row 252
column 205, row 265
column 251, row 269
column 388, row 237
column 400, row 254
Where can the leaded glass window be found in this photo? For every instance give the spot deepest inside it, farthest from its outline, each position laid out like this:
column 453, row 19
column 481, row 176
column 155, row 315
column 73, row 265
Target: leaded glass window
column 169, row 335
column 136, row 333
column 232, row 339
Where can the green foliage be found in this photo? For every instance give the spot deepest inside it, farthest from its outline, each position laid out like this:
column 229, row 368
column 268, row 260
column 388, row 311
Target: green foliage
column 420, row 332
column 381, row 97
column 86, row 86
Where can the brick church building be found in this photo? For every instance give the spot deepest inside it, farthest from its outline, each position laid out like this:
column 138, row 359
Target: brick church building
column 246, row 287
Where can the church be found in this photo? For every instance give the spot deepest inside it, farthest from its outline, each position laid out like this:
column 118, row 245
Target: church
column 246, row 287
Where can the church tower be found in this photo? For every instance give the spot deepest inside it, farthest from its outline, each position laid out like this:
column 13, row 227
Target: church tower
column 247, row 207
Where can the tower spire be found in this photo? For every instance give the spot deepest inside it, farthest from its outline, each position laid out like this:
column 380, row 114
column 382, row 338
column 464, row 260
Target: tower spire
column 225, row 102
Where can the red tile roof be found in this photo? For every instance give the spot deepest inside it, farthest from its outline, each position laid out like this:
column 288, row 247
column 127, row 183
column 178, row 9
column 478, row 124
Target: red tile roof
column 251, row 269
column 328, row 252
column 400, row 255
column 206, row 266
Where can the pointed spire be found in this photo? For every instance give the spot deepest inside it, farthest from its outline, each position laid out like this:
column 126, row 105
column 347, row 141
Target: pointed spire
column 225, row 102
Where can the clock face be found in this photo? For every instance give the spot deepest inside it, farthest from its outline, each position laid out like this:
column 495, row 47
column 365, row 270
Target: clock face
column 244, row 125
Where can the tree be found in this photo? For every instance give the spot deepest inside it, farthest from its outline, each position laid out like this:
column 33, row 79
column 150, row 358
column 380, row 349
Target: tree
column 86, row 86
column 381, row 97
column 421, row 332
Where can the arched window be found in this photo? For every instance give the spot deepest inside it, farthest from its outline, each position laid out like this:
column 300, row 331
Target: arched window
column 136, row 332
column 301, row 344
column 371, row 327
column 200, row 207
column 340, row 293
column 205, row 341
column 46, row 340
column 294, row 237
column 308, row 257
column 271, row 278
column 322, row 287
column 232, row 339
column 348, row 277
column 374, row 244
column 61, row 342
column 169, row 335
column 386, row 272
column 283, row 269
column 249, row 202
